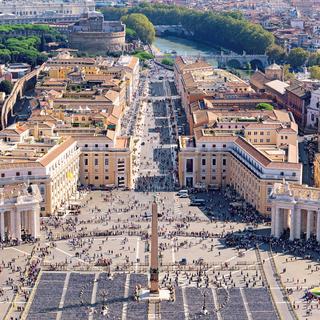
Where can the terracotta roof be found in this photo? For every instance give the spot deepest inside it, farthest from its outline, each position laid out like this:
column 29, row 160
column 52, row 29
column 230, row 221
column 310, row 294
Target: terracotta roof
column 112, row 95
column 248, row 147
column 56, row 151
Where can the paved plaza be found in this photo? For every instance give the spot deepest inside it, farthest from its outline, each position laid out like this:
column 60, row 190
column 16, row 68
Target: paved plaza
column 94, row 264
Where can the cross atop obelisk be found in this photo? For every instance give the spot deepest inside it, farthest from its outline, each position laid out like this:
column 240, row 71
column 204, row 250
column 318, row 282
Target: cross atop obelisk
column 154, row 267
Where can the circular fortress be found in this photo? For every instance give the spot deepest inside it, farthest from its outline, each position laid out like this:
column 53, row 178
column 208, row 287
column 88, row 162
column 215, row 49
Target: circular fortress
column 91, row 34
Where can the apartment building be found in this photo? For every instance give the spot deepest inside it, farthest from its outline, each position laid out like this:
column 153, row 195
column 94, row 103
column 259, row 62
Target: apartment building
column 51, row 163
column 196, row 79
column 245, row 149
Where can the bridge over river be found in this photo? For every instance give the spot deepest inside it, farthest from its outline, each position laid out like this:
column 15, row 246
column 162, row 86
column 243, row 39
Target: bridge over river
column 234, row 60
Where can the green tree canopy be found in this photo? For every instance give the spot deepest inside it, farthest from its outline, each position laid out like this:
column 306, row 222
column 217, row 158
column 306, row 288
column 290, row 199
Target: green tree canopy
column 131, row 35
column 141, row 25
column 227, row 30
column 6, row 86
column 315, row 72
column 297, row 57
column 167, row 61
column 143, row 55
column 276, row 53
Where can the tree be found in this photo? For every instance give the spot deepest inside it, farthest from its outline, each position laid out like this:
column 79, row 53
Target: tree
column 315, row 72
column 141, row 25
column 6, row 86
column 226, row 30
column 314, row 59
column 167, row 61
column 297, row 57
column 143, row 55
column 131, row 35
column 276, row 53
column 287, row 74
column 5, row 55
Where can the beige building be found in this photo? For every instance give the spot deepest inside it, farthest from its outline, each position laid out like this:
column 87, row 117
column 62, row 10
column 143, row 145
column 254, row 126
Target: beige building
column 19, row 212
column 317, row 170
column 51, row 163
column 105, row 161
column 247, row 150
column 196, row 79
column 295, row 209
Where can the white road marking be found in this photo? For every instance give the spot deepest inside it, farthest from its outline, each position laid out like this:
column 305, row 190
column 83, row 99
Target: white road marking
column 24, row 252
column 126, row 295
column 63, row 296
column 245, row 302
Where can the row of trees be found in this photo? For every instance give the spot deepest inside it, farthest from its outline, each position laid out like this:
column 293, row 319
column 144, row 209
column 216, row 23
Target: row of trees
column 26, row 48
column 297, row 57
column 225, row 30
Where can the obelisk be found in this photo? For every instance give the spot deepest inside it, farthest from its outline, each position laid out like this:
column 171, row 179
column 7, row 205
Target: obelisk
column 154, row 267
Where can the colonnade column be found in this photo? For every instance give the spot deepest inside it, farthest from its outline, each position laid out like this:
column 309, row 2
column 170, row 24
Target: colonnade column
column 298, row 223
column 2, row 228
column 309, row 215
column 318, row 225
column 273, row 219
column 18, row 225
column 13, row 218
column 277, row 223
column 36, row 222
column 292, row 223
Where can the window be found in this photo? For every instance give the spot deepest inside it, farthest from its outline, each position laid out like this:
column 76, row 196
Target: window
column 106, row 162
column 224, row 146
column 249, row 133
column 43, row 208
column 96, row 162
column 29, row 173
column 96, row 145
column 106, row 177
column 255, row 133
column 281, row 173
column 213, row 162
column 2, row 175
column 189, row 165
column 255, row 140
column 294, row 174
column 85, row 162
column 107, row 146
column 261, row 133
column 268, row 133
column 203, row 162
column 86, row 146
column 213, row 146
column 261, row 140
column 268, row 140
column 96, row 177
column 224, row 162
column 17, row 174
column 86, row 178
column 203, row 146
column 213, row 178
column 281, row 137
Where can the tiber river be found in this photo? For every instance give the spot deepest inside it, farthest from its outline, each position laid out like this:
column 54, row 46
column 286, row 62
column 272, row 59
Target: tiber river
column 186, row 47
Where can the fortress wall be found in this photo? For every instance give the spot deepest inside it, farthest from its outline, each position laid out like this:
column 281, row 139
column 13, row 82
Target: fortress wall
column 97, row 41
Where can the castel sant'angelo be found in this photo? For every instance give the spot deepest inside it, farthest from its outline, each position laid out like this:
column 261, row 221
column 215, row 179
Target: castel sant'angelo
column 91, row 34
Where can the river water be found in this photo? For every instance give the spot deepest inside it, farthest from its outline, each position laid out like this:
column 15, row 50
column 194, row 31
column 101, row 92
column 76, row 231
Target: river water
column 184, row 47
